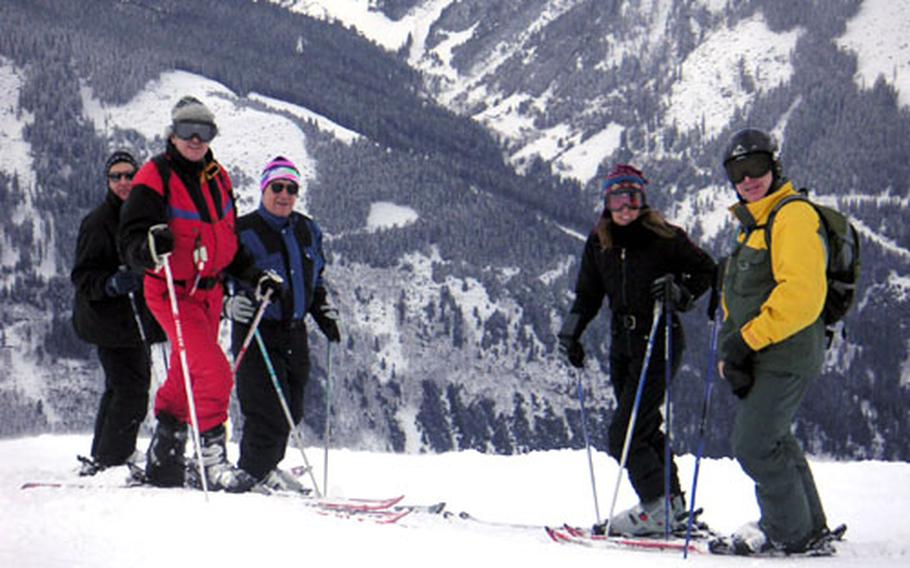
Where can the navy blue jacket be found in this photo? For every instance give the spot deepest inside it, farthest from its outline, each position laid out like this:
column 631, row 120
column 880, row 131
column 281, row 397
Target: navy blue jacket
column 292, row 247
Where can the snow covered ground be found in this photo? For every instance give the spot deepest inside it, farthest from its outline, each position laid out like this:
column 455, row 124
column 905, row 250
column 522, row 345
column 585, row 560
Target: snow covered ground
column 166, row 528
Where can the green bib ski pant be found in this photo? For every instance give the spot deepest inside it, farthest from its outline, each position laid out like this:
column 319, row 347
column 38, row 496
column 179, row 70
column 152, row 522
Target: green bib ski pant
column 767, row 450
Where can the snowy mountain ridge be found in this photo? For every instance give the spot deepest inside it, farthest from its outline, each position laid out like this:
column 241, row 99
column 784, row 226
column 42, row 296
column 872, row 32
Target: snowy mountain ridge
column 452, row 272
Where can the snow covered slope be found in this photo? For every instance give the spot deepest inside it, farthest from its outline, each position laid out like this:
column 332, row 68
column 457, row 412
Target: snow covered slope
column 152, row 527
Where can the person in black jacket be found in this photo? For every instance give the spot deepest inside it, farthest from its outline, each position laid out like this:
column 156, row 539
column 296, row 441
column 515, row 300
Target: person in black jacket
column 290, row 244
column 108, row 310
column 629, row 256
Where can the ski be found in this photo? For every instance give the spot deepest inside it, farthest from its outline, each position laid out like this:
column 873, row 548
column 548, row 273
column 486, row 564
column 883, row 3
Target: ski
column 335, row 504
column 468, row 517
column 351, row 504
column 432, row 509
column 572, row 535
column 823, row 546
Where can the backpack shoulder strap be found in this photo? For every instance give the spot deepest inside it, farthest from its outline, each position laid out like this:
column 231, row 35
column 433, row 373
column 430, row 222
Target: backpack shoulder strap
column 803, row 195
column 164, row 170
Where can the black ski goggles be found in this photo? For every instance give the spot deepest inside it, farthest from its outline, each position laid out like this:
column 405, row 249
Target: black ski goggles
column 204, row 131
column 752, row 166
column 618, row 199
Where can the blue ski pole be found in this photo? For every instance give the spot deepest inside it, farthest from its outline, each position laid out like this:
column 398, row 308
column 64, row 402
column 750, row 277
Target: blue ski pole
column 706, row 405
column 668, row 375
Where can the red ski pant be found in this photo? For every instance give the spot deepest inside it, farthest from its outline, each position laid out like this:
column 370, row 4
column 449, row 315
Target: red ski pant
column 210, row 373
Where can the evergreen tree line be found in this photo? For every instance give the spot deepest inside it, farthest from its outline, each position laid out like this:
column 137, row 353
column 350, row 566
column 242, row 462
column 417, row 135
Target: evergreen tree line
column 484, row 218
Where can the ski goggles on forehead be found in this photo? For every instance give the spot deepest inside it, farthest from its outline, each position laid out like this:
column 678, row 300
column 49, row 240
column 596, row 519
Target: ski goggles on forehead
column 630, row 198
column 204, row 131
column 752, row 166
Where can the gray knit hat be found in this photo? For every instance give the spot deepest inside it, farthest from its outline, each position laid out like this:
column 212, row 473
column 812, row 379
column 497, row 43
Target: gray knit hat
column 191, row 109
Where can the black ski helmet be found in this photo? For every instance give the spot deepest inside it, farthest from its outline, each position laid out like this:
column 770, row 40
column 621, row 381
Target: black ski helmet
column 751, row 141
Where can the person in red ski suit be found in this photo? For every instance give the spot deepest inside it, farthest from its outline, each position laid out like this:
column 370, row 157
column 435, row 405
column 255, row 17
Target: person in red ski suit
column 181, row 210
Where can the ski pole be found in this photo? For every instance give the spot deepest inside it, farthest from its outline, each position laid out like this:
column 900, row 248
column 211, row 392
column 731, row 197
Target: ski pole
column 328, row 416
column 631, row 427
column 142, row 334
column 145, row 342
column 254, row 325
column 185, row 367
column 706, row 405
column 295, row 432
column 584, row 429
column 668, row 358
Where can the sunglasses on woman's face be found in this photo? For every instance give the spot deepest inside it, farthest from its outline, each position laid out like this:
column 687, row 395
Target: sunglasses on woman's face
column 752, row 166
column 618, row 199
column 204, row 131
column 119, row 176
column 278, row 187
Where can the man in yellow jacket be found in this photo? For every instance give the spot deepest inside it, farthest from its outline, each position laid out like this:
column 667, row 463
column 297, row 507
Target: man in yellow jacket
column 772, row 343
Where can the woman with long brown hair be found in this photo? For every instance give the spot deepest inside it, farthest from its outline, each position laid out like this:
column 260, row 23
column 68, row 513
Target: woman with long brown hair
column 633, row 257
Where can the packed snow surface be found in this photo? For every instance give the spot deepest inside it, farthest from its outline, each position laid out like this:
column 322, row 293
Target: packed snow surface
column 137, row 527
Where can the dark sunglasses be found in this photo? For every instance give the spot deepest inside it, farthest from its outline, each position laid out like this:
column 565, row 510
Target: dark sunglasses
column 278, row 187
column 204, row 131
column 120, row 176
column 617, row 199
column 752, row 165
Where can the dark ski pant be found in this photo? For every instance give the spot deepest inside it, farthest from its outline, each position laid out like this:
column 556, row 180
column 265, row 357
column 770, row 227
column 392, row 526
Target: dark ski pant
column 767, row 450
column 265, row 426
column 645, row 463
column 124, row 403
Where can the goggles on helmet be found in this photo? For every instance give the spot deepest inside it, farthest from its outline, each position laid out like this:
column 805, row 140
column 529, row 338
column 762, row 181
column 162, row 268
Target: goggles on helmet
column 204, row 131
column 753, row 165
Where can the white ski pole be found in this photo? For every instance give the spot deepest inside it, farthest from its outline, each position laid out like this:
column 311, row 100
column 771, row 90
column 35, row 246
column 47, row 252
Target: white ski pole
column 631, row 427
column 295, row 432
column 328, row 417
column 185, row 367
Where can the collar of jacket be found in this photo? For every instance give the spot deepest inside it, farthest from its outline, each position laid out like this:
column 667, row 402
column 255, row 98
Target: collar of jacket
column 195, row 169
column 113, row 199
column 756, row 214
column 274, row 221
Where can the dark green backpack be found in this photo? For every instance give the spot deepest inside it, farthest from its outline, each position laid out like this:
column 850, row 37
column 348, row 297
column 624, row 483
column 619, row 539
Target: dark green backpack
column 843, row 268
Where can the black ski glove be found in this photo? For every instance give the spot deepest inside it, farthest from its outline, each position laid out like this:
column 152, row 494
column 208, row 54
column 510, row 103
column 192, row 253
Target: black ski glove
column 735, row 351
column 568, row 335
column 717, row 287
column 326, row 316
column 122, row 283
column 740, row 380
column 680, row 299
column 573, row 351
column 737, row 358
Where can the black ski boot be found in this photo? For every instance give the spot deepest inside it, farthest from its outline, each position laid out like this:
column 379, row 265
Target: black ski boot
column 219, row 473
column 165, row 464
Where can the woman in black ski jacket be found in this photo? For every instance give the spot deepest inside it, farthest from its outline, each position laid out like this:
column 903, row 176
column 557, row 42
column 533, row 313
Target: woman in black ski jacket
column 629, row 257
